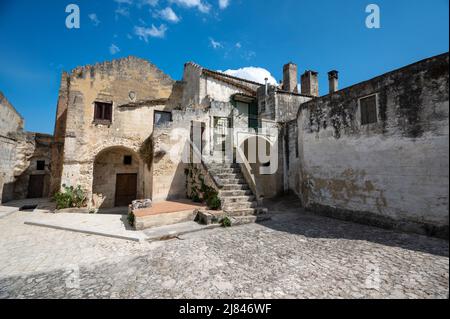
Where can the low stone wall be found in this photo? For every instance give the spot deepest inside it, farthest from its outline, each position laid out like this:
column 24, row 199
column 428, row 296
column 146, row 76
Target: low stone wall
column 151, row 221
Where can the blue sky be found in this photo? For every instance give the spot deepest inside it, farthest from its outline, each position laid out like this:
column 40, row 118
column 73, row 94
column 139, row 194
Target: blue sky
column 36, row 46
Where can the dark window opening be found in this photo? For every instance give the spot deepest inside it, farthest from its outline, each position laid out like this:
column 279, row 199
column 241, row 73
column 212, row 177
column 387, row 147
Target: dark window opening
column 128, row 160
column 40, row 165
column 263, row 106
column 162, row 118
column 103, row 112
column 368, row 107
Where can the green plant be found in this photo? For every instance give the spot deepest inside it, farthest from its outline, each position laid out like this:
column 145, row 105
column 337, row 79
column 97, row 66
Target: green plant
column 214, row 202
column 131, row 219
column 70, row 197
column 226, row 222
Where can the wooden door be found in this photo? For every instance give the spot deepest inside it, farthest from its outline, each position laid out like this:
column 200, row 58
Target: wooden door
column 126, row 189
column 36, row 186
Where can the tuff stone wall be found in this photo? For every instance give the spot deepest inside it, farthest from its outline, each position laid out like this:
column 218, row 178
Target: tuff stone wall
column 31, row 148
column 393, row 173
column 132, row 119
column 11, row 127
column 107, row 165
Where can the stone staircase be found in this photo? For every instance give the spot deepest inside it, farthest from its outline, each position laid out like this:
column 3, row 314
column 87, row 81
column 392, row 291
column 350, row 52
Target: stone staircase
column 238, row 201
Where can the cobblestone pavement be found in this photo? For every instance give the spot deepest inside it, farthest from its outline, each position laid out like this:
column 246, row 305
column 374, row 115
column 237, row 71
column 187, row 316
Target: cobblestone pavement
column 292, row 256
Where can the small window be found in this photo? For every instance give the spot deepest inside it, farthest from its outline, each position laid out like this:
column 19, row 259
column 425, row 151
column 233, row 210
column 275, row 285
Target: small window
column 103, row 112
column 162, row 118
column 263, row 106
column 40, row 165
column 128, row 160
column 368, row 107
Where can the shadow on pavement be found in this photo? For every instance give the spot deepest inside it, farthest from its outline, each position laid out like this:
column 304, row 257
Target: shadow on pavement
column 289, row 216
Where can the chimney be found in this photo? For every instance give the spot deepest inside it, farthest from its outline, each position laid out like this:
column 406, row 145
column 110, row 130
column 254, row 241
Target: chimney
column 310, row 83
column 290, row 75
column 266, row 86
column 333, row 77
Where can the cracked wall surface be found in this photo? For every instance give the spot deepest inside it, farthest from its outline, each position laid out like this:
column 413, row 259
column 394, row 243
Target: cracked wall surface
column 396, row 168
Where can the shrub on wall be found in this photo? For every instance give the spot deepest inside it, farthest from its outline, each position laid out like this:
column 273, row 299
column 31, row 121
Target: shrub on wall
column 70, row 197
column 199, row 191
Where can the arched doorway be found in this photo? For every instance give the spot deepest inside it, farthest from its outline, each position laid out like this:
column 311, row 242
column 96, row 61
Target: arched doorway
column 117, row 178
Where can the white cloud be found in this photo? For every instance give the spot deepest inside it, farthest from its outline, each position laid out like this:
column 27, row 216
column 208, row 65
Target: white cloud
column 124, row 1
column 123, row 11
column 223, row 4
column 151, row 3
column 94, row 19
column 168, row 14
column 215, row 44
column 253, row 74
column 203, row 7
column 114, row 49
column 144, row 33
column 238, row 45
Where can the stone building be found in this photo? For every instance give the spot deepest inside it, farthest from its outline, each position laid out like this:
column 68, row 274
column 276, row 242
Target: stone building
column 376, row 152
column 24, row 157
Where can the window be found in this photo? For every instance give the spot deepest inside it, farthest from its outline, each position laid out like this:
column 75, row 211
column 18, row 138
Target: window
column 103, row 112
column 368, row 107
column 162, row 118
column 40, row 165
column 128, row 160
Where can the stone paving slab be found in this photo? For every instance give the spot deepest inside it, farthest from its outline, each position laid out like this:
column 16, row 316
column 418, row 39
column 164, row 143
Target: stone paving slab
column 113, row 226
column 291, row 256
column 6, row 211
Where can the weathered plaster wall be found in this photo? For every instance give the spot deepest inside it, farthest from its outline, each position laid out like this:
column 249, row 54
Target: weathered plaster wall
column 393, row 173
column 280, row 106
column 293, row 157
column 202, row 86
column 132, row 119
column 7, row 162
column 11, row 127
column 171, row 153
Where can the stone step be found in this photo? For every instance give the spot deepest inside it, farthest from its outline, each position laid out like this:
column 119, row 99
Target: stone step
column 232, row 181
column 238, row 199
column 223, row 165
column 238, row 212
column 239, row 206
column 243, row 220
column 224, row 177
column 224, row 193
column 222, row 170
column 235, row 187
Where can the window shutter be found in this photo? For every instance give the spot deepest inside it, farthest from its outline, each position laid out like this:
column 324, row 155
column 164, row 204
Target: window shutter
column 108, row 111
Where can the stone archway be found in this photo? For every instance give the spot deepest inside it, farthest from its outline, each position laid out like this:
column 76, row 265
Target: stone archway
column 118, row 177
